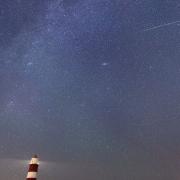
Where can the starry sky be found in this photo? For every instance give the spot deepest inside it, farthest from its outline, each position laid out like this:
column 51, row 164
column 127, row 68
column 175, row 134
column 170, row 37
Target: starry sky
column 92, row 87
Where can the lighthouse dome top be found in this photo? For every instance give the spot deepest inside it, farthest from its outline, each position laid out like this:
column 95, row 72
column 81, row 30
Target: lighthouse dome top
column 35, row 156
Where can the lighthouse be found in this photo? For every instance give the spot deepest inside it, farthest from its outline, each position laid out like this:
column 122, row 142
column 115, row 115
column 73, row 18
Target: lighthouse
column 33, row 168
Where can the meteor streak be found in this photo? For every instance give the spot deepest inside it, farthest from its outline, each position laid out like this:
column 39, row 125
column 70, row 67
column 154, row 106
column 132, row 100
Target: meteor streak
column 161, row 26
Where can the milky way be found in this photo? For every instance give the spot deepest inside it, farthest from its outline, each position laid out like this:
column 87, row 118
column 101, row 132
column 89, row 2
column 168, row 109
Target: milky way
column 83, row 87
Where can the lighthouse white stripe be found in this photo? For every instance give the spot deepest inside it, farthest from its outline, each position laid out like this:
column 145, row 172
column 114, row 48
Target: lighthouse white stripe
column 32, row 175
column 34, row 161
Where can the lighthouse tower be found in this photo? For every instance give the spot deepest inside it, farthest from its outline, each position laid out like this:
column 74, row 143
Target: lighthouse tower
column 33, row 168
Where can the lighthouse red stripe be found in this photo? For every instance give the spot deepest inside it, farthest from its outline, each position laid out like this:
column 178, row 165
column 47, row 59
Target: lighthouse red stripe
column 33, row 168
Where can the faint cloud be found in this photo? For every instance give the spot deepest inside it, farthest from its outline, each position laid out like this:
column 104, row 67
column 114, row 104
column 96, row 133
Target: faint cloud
column 29, row 64
column 104, row 64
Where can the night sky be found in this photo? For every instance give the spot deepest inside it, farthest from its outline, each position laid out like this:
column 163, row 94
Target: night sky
column 92, row 87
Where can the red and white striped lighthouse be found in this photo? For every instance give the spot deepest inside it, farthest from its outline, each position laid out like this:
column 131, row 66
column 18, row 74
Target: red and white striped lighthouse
column 33, row 168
